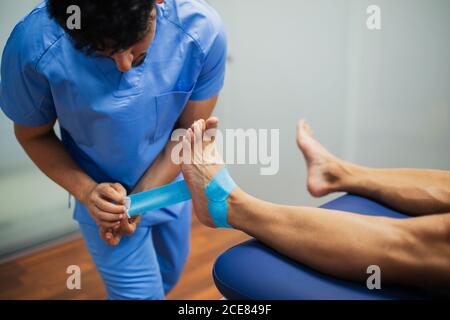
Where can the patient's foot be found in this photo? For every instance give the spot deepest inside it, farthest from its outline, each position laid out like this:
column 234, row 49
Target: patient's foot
column 201, row 165
column 324, row 169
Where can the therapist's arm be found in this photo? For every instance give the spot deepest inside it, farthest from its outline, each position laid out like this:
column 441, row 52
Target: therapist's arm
column 163, row 170
column 48, row 153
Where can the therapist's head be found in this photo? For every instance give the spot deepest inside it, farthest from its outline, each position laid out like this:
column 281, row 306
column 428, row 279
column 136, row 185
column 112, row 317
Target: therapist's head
column 120, row 29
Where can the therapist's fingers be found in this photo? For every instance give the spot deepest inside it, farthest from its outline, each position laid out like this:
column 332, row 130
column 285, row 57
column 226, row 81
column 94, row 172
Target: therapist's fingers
column 119, row 188
column 112, row 236
column 109, row 207
column 102, row 232
column 108, row 191
column 103, row 211
column 128, row 225
column 106, row 224
column 105, row 217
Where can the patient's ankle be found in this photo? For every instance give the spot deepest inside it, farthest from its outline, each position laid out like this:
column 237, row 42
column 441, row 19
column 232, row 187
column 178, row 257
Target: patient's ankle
column 346, row 176
column 240, row 212
column 335, row 174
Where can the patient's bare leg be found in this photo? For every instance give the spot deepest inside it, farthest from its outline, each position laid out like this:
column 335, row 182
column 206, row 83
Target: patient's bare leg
column 414, row 251
column 414, row 191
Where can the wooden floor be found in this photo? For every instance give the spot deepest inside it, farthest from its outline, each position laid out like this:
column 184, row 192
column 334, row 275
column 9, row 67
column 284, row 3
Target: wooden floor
column 42, row 275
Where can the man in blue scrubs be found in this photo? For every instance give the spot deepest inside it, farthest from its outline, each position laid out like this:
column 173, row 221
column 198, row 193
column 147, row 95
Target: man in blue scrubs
column 118, row 87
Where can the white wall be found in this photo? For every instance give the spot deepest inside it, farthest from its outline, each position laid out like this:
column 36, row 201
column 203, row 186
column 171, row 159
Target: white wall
column 381, row 98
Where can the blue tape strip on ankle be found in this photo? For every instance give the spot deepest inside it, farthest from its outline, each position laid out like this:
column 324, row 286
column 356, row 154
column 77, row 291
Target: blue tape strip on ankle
column 158, row 198
column 217, row 192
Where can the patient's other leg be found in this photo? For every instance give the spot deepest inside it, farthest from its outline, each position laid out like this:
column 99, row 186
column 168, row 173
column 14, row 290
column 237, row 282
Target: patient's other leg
column 414, row 191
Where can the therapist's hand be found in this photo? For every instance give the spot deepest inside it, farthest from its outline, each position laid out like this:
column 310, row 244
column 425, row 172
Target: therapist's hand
column 106, row 204
column 127, row 227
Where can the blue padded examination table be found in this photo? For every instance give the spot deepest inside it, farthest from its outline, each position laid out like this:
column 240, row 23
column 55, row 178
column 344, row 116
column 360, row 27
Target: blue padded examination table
column 252, row 271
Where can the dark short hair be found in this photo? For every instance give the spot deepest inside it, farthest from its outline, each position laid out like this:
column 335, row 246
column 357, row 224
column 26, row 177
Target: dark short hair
column 112, row 25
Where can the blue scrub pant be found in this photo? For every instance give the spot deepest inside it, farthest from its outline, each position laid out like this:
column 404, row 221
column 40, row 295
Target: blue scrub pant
column 145, row 265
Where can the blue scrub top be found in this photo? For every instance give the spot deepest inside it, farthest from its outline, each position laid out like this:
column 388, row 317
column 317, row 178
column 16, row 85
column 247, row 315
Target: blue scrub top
column 113, row 124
